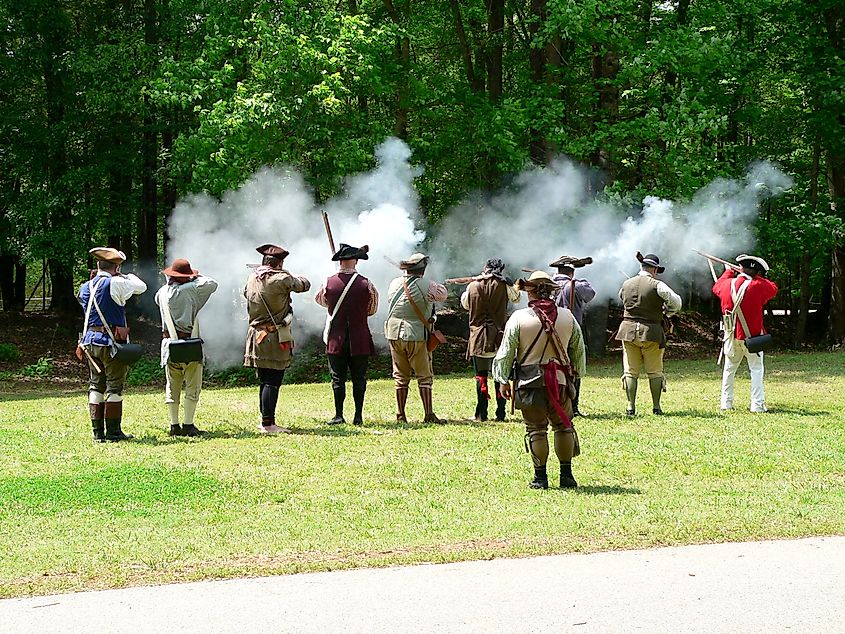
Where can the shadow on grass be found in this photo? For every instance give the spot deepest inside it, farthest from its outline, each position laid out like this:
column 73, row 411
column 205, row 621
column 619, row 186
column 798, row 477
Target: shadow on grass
column 604, row 490
column 794, row 411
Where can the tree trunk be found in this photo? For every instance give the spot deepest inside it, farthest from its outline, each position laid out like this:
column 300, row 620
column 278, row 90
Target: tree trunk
column 54, row 29
column 495, row 47
column 537, row 62
column 12, row 282
column 466, row 51
column 403, row 54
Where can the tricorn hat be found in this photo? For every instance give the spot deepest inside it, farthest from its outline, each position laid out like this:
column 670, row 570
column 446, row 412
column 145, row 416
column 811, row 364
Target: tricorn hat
column 346, row 252
column 752, row 262
column 571, row 262
column 535, row 280
column 180, row 269
column 650, row 260
column 416, row 261
column 107, row 254
column 273, row 250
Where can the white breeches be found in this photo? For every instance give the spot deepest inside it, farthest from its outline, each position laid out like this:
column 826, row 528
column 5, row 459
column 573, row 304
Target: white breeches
column 734, row 354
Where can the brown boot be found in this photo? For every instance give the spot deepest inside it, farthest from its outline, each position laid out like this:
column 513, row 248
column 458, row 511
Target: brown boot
column 114, row 414
column 401, row 399
column 97, row 411
column 428, row 407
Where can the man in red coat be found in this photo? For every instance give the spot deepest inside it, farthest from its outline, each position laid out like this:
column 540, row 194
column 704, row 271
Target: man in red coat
column 350, row 298
column 749, row 285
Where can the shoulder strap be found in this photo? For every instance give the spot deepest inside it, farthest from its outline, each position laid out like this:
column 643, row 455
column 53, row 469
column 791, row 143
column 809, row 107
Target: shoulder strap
column 557, row 344
column 737, row 296
column 533, row 343
column 102, row 317
column 414, row 305
column 342, row 296
column 91, row 290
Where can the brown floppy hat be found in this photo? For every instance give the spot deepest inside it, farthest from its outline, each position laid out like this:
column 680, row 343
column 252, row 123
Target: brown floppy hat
column 180, row 268
column 273, row 250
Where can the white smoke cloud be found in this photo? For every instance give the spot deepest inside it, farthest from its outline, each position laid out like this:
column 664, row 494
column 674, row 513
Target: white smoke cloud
column 546, row 212
column 276, row 206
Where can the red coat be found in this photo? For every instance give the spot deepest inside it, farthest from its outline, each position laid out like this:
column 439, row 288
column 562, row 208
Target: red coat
column 759, row 291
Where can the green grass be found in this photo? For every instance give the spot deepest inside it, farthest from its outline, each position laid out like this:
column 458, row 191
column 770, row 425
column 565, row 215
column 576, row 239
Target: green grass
column 74, row 514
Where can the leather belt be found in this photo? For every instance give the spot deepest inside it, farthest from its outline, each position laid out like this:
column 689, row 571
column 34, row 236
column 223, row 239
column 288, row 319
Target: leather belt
column 266, row 326
column 179, row 335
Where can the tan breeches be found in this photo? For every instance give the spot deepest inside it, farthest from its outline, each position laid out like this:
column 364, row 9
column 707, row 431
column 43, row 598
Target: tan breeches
column 410, row 357
column 537, row 421
column 642, row 355
column 182, row 375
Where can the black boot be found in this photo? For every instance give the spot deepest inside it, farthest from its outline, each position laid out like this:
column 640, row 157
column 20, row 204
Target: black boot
column 113, row 431
column 358, row 392
column 97, row 423
column 114, row 413
column 567, row 480
column 501, row 403
column 192, row 431
column 175, row 430
column 339, row 398
column 481, row 397
column 541, row 479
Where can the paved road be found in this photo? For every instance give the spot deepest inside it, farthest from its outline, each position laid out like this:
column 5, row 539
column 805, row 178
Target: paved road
column 782, row 586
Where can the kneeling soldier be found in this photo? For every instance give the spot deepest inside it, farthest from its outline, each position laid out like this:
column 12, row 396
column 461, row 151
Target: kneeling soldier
column 547, row 345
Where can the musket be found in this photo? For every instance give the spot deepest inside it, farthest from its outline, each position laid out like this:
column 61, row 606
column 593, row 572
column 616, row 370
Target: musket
column 526, row 270
column 461, row 280
column 328, row 228
column 730, row 265
column 393, row 262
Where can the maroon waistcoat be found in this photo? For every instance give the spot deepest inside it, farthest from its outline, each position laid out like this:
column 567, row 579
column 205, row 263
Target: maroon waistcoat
column 351, row 317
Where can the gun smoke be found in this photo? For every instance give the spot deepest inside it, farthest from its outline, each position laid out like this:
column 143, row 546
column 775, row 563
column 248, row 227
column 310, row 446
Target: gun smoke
column 544, row 213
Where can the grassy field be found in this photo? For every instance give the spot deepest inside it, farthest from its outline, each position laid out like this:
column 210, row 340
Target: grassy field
column 77, row 515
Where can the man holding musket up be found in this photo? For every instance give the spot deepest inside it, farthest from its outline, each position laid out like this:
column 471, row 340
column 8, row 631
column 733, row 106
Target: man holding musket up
column 486, row 300
column 742, row 293
column 544, row 350
column 179, row 301
column 104, row 299
column 269, row 341
column 645, row 300
column 411, row 300
column 574, row 294
column 350, row 298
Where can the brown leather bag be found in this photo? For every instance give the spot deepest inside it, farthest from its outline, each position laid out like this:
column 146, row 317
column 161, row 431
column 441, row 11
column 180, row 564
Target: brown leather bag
column 434, row 337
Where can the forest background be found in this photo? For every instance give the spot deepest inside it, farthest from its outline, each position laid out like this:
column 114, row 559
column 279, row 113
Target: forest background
column 110, row 111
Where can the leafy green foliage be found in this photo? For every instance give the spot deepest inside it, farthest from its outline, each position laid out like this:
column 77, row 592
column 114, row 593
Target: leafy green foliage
column 9, row 352
column 146, row 371
column 41, row 368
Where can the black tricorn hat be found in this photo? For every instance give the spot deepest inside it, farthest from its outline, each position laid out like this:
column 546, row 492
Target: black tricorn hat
column 273, row 250
column 650, row 260
column 571, row 262
column 346, row 252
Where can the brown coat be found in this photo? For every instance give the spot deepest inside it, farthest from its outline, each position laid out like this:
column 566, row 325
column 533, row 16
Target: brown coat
column 275, row 350
column 488, row 304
